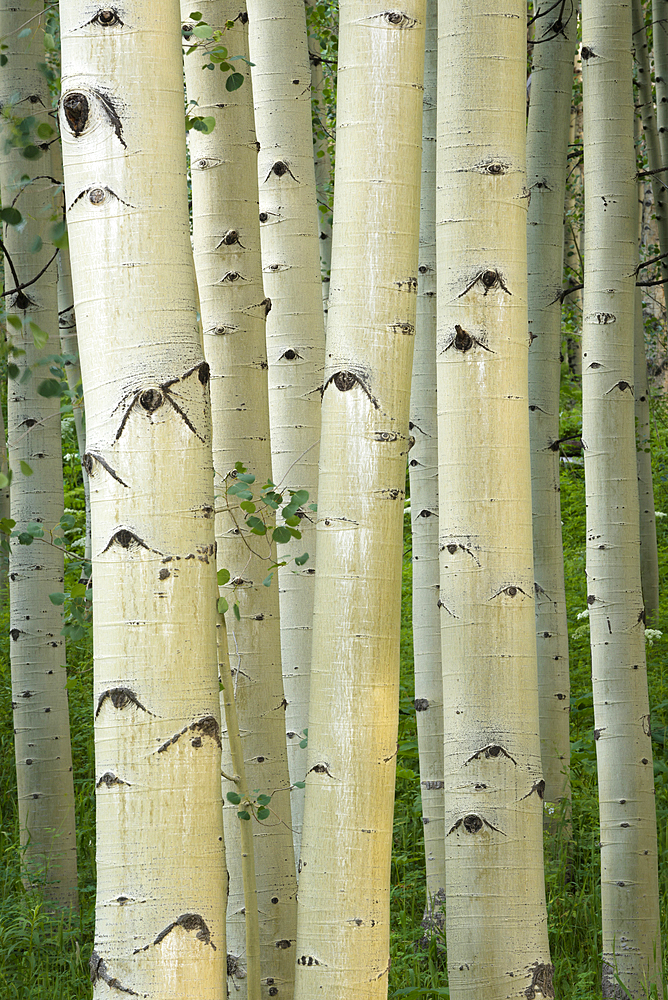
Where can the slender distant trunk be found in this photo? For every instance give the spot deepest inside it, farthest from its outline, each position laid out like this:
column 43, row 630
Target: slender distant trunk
column 161, row 881
column 226, row 238
column 660, row 55
column 547, row 147
column 629, row 888
column 343, row 929
column 423, row 469
column 295, row 326
column 37, row 650
column 323, row 165
column 496, row 923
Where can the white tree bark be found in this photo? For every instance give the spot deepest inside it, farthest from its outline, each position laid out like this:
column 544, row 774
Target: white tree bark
column 629, row 889
column 496, row 924
column 37, row 650
column 160, row 916
column 343, row 928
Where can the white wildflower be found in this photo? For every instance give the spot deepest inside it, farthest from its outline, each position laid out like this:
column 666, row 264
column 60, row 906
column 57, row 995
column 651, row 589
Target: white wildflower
column 651, row 634
column 582, row 614
column 659, row 513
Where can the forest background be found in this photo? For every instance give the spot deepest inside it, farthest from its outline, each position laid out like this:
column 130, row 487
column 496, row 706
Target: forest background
column 45, row 955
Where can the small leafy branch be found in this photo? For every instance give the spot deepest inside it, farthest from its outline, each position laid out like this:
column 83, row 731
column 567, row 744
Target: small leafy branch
column 259, row 511
column 257, row 805
column 208, row 42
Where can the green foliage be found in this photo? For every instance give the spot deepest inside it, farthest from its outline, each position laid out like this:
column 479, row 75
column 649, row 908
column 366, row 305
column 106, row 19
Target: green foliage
column 207, row 41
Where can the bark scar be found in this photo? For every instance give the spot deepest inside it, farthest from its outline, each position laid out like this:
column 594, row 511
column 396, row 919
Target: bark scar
column 120, row 697
column 189, row 922
column 152, row 398
column 207, row 726
column 98, row 970
column 88, row 465
column 492, row 750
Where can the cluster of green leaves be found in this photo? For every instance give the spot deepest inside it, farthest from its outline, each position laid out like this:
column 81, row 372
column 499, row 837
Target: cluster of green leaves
column 207, row 41
column 257, row 806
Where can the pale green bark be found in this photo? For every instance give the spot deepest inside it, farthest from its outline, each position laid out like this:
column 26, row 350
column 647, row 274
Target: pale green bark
column 496, row 923
column 649, row 561
column 660, row 55
column 423, row 470
column 323, row 168
column 343, row 931
column 295, row 326
column 226, row 238
column 37, row 650
column 547, row 148
column 629, row 891
column 160, row 914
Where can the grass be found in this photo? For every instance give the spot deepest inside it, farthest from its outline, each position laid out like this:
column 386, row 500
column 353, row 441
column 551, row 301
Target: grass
column 46, row 955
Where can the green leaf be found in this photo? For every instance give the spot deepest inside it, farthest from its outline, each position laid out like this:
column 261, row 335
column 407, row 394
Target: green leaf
column 222, row 605
column 282, row 535
column 57, row 598
column 300, row 784
column 11, row 216
column 44, row 131
column 267, row 580
column 31, row 152
column 234, row 798
column 203, row 30
column 243, row 814
column 68, row 520
column 264, row 800
column 223, row 577
column 239, row 467
column 4, row 481
column 234, row 81
column 25, row 468
column 237, row 613
column 303, row 744
column 59, row 235
column 70, row 683
column 246, row 477
column 36, row 245
column 298, row 498
column 39, row 336
column 263, row 813
column 300, row 560
column 49, row 42
column 292, row 520
column 49, row 388
column 3, row 60
column 24, row 33
column 195, row 15
column 248, row 506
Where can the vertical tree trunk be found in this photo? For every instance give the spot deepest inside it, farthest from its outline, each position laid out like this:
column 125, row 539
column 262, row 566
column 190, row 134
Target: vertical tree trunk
column 547, row 147
column 160, row 917
column 496, row 924
column 37, row 650
column 629, row 890
column 295, row 326
column 423, row 470
column 343, row 929
column 226, row 237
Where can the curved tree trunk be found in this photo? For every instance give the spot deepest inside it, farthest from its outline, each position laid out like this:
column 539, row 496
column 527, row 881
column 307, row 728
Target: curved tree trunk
column 629, row 888
column 496, row 923
column 160, row 916
column 37, row 650
column 343, row 930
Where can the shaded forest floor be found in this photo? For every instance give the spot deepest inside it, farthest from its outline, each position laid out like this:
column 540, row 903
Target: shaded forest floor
column 45, row 957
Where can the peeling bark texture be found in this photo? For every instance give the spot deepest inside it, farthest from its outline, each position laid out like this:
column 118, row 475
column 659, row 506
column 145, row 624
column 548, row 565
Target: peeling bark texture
column 423, row 470
column 41, row 722
column 547, row 147
column 629, row 885
column 494, row 847
column 295, row 327
column 159, row 828
column 343, row 930
column 225, row 202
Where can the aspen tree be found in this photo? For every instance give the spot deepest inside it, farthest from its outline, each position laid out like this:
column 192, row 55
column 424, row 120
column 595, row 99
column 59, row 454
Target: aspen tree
column 423, row 470
column 37, row 650
column 226, row 238
column 496, row 926
column 547, row 147
column 343, row 927
column 160, row 915
column 629, row 889
column 295, row 325
column 322, row 162
column 660, row 56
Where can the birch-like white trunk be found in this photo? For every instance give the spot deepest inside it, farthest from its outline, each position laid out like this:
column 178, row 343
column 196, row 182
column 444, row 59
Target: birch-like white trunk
column 343, row 927
column 226, row 236
column 37, row 650
column 423, row 471
column 295, row 326
column 496, row 923
column 161, row 882
column 629, row 890
column 547, row 148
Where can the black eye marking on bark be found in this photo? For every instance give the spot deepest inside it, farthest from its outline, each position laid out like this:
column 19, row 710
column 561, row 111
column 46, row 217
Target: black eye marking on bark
column 67, row 321
column 344, row 381
column 126, row 539
column 280, row 169
column 463, row 341
column 120, row 698
column 394, row 19
column 77, row 111
column 151, row 399
column 453, row 547
column 207, row 726
column 587, row 53
column 406, row 329
column 98, row 195
column 222, row 330
column 309, row 960
column 207, row 162
column 88, row 466
column 622, row 385
column 107, row 18
column 321, row 769
column 109, row 779
column 235, row 967
column 230, row 238
column 473, row 824
column 98, row 970
column 284, row 944
column 386, row 436
column 602, row 318
column 432, row 785
column 492, row 750
column 15, row 633
column 189, row 922
column 490, row 279
column 421, row 704
column 409, row 283
column 290, row 355
column 230, row 277
column 538, row 787
column 510, row 591
column 440, row 604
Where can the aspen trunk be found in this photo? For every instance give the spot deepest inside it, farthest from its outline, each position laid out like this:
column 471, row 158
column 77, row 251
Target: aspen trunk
column 496, row 925
column 343, row 929
column 160, row 917
column 660, row 55
column 37, row 650
column 226, row 236
column 323, row 166
column 295, row 326
column 629, row 890
column 649, row 560
column 423, row 470
column 547, row 147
